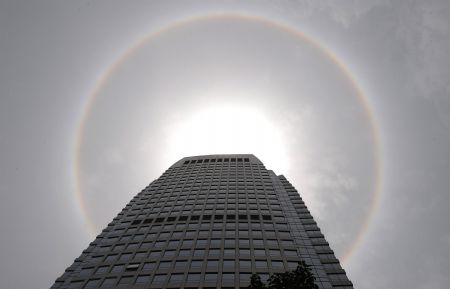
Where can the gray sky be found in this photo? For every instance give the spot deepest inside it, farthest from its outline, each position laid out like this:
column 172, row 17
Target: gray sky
column 291, row 104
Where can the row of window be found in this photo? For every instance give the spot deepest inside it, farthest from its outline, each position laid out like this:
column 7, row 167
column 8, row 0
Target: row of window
column 213, row 243
column 209, row 209
column 225, row 174
column 192, row 266
column 255, row 234
column 217, row 175
column 171, row 226
column 204, row 224
column 219, row 160
column 227, row 243
column 210, row 205
column 207, row 191
column 216, row 167
column 275, row 212
column 165, row 202
column 178, row 199
column 221, row 176
column 231, row 209
column 217, row 179
column 214, row 184
column 201, row 217
column 201, row 203
column 198, row 252
column 217, row 171
column 210, row 279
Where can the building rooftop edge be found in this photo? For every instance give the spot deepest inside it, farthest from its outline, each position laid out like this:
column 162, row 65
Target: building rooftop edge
column 251, row 158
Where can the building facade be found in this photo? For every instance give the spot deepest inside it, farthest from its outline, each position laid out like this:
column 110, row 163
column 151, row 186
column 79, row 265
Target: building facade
column 207, row 222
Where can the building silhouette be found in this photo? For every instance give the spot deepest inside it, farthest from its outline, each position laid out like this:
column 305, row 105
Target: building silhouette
column 207, row 222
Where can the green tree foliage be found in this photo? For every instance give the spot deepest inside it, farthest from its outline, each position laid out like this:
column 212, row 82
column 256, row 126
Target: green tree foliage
column 300, row 278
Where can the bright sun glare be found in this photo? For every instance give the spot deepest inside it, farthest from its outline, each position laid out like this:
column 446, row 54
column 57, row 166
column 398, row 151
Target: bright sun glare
column 229, row 129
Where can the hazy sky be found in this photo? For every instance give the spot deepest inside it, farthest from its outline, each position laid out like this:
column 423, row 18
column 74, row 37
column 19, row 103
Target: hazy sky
column 350, row 100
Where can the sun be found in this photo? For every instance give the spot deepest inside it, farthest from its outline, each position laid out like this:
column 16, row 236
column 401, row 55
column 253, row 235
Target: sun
column 229, row 129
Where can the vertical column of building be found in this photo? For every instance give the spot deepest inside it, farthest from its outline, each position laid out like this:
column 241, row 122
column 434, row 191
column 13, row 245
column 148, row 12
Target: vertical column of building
column 303, row 243
column 326, row 261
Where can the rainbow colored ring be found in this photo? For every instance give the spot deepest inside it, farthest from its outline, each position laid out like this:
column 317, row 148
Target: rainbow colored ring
column 362, row 98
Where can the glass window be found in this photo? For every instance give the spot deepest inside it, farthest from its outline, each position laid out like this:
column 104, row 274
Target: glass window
column 143, row 279
column 176, row 278
column 177, row 235
column 102, row 270
column 199, row 252
column 86, row 271
column 149, row 266
column 75, row 284
column 261, row 264
column 275, row 253
column 260, row 252
column 169, row 253
column 245, row 263
column 230, row 243
column 111, row 258
column 118, row 268
column 211, row 277
column 190, row 234
column 277, row 264
column 155, row 254
column 196, row 264
column 193, row 277
column 227, row 277
column 158, row 279
column 244, row 251
column 180, row 264
column 184, row 253
column 287, row 242
column 243, row 233
column 140, row 255
column 108, row 282
column 244, row 278
column 229, row 252
column 174, row 243
column 272, row 242
column 119, row 247
column 164, row 235
column 215, row 243
column 230, row 233
column 290, row 253
column 244, row 242
column 92, row 283
column 257, row 233
column 258, row 242
column 214, row 252
column 212, row 264
column 164, row 265
column 201, row 243
column 125, row 257
column 228, row 264
column 126, row 280
column 188, row 243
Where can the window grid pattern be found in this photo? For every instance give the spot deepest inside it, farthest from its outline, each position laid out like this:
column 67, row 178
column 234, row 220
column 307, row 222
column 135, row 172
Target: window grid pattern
column 208, row 221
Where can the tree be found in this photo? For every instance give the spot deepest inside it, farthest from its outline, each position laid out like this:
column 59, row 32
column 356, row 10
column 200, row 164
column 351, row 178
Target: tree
column 256, row 283
column 300, row 278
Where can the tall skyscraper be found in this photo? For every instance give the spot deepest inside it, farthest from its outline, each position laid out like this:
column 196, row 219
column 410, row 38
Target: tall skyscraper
column 207, row 222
